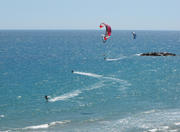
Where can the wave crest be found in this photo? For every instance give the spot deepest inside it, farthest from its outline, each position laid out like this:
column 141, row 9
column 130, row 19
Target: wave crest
column 44, row 126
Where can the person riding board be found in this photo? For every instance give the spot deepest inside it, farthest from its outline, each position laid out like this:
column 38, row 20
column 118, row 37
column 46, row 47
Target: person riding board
column 47, row 98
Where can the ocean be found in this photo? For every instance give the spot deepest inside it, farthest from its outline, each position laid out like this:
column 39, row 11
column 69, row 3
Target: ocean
column 92, row 86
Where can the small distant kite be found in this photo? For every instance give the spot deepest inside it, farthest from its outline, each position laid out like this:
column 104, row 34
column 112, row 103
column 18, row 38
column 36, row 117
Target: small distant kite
column 108, row 31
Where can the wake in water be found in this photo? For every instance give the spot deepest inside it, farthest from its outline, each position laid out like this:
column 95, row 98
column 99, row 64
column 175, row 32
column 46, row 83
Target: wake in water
column 65, row 96
column 100, row 76
column 87, row 74
column 120, row 58
column 75, row 93
column 115, row 59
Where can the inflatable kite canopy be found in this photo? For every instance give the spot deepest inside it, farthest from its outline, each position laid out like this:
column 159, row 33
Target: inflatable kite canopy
column 108, row 30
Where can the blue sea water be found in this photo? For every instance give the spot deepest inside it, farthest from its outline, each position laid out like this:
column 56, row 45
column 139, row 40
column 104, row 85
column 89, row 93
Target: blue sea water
column 122, row 93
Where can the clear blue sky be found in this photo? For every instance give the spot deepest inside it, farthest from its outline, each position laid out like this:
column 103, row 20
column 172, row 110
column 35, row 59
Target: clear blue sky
column 88, row 14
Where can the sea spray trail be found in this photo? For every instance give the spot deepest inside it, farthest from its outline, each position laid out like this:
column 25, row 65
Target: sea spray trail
column 115, row 79
column 66, row 96
column 120, row 58
column 88, row 74
column 100, row 84
column 95, row 86
column 138, row 54
column 75, row 93
column 100, row 76
column 115, row 59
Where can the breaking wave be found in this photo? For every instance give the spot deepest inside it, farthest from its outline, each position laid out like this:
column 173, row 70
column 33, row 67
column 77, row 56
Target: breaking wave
column 44, row 126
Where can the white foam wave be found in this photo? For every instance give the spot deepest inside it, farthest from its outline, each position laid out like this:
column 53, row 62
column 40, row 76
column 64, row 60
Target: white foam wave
column 175, row 130
column 44, row 126
column 18, row 97
column 138, row 54
column 88, row 74
column 153, row 130
column 148, row 112
column 154, row 121
column 66, row 96
column 38, row 126
column 2, row 116
column 177, row 123
column 160, row 128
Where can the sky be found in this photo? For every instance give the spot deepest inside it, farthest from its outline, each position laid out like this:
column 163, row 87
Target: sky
column 88, row 14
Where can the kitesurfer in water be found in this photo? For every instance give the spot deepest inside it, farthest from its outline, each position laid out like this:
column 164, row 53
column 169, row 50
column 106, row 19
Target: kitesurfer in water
column 46, row 97
column 134, row 35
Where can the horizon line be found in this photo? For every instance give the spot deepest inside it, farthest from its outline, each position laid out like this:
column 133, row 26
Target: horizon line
column 93, row 29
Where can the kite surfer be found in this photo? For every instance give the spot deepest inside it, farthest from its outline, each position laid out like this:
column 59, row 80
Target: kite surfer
column 134, row 35
column 46, row 97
